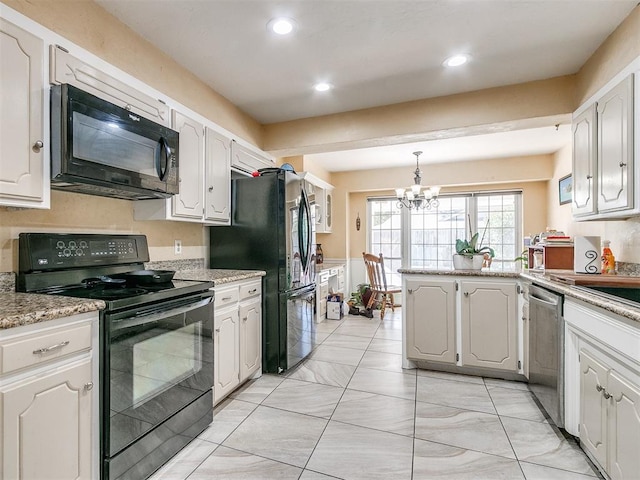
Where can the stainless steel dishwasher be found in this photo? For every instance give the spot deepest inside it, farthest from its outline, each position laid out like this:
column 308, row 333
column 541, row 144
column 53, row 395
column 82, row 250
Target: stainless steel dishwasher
column 546, row 351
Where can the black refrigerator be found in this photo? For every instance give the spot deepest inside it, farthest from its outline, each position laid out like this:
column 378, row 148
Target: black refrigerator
column 273, row 229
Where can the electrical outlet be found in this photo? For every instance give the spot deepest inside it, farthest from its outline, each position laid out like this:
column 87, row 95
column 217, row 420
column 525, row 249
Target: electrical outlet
column 177, row 244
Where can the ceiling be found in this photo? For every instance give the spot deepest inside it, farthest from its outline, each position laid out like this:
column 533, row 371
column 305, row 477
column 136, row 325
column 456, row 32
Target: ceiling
column 374, row 52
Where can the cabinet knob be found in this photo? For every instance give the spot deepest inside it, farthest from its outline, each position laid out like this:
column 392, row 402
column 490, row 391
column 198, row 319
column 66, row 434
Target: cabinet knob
column 127, row 107
column 410, row 290
column 88, row 386
column 217, row 330
column 589, row 177
column 599, row 388
column 244, row 319
column 622, row 164
column 211, row 189
column 38, row 146
column 606, row 395
column 466, row 294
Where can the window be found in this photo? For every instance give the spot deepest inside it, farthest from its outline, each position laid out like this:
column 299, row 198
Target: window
column 429, row 236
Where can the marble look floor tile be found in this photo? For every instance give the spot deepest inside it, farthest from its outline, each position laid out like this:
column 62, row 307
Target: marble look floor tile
column 386, row 346
column 328, row 326
column 311, row 475
column 232, row 464
column 466, row 429
column 543, row 444
column 367, row 331
column 346, row 356
column 539, row 472
column 255, row 391
column 384, row 361
column 516, row 403
column 384, row 383
column 381, row 412
column 465, row 395
column 354, row 453
column 496, row 382
column 433, row 461
column 303, row 397
column 456, row 377
column 327, row 373
column 388, row 334
column 347, row 341
column 185, row 461
column 282, row 436
column 226, row 418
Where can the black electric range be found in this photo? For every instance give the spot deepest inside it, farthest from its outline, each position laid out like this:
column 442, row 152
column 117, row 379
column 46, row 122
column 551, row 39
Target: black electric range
column 156, row 344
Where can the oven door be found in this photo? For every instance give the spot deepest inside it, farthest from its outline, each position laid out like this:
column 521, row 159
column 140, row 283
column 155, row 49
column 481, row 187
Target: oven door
column 156, row 361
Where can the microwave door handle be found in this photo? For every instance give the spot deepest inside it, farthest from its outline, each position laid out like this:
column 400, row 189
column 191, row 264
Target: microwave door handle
column 162, row 175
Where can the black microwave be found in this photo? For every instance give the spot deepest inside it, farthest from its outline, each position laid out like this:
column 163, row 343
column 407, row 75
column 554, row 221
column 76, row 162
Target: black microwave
column 99, row 148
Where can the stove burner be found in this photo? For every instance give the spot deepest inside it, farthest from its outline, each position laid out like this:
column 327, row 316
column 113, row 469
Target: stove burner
column 114, row 293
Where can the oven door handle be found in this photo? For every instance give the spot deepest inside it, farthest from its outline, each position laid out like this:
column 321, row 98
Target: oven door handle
column 157, row 314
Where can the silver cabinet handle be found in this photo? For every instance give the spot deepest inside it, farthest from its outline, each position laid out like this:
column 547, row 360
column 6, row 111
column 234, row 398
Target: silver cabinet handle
column 51, row 348
column 410, row 290
column 606, row 395
column 599, row 388
column 88, row 386
column 217, row 330
column 224, row 299
column 244, row 319
column 589, row 177
column 466, row 294
column 253, row 291
column 211, row 189
column 622, row 164
column 38, row 146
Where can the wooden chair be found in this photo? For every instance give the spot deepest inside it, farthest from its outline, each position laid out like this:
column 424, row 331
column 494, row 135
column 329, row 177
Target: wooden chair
column 380, row 291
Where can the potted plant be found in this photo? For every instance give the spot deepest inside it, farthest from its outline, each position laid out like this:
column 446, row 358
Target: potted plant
column 470, row 254
column 359, row 298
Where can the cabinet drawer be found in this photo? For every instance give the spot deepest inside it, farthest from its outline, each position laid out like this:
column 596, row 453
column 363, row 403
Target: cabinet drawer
column 30, row 350
column 250, row 290
column 227, row 297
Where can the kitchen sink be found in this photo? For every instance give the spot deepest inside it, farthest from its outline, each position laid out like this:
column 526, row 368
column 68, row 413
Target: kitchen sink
column 627, row 295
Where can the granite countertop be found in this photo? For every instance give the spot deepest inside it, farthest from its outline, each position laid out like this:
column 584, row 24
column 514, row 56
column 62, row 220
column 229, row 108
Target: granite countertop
column 17, row 309
column 460, row 273
column 218, row 276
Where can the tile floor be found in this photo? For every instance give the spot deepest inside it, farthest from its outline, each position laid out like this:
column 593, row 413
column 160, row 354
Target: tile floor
column 350, row 411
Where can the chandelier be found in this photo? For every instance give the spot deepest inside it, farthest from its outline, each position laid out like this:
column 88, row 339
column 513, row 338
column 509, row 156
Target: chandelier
column 415, row 196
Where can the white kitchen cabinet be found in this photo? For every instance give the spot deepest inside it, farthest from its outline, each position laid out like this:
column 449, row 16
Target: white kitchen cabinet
column 322, row 201
column 23, row 155
column 226, row 349
column 66, row 68
column 205, row 178
column 584, row 133
column 431, row 320
column 217, row 193
column 469, row 322
column 49, row 400
column 248, row 161
column 605, row 181
column 322, row 292
column 489, row 336
column 237, row 335
column 609, row 417
column 189, row 202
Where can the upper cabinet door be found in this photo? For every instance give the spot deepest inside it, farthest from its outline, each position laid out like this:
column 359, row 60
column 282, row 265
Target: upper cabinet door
column 218, row 177
column 65, row 68
column 189, row 202
column 584, row 162
column 22, row 151
column 615, row 148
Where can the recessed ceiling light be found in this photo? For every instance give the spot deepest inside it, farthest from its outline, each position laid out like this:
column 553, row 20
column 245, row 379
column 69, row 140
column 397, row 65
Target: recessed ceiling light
column 322, row 87
column 456, row 60
column 281, row 26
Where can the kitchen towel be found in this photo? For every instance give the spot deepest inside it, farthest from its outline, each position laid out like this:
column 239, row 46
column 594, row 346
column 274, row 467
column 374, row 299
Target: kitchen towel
column 586, row 255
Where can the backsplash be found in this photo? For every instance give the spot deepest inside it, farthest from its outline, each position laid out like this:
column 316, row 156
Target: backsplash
column 626, row 268
column 182, row 264
column 7, row 282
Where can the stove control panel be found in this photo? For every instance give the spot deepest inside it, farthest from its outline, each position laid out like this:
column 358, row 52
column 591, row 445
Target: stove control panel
column 43, row 251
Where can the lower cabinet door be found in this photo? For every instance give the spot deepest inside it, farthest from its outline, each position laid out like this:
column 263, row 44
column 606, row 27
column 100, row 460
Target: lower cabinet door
column 47, row 425
column 593, row 425
column 431, row 332
column 623, row 428
column 226, row 342
column 250, row 339
column 489, row 336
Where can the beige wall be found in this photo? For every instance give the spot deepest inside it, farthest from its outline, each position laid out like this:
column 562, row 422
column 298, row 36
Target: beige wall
column 75, row 213
column 352, row 188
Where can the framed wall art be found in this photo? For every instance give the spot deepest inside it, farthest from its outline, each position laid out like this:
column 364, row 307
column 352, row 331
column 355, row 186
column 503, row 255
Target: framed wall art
column 565, row 189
